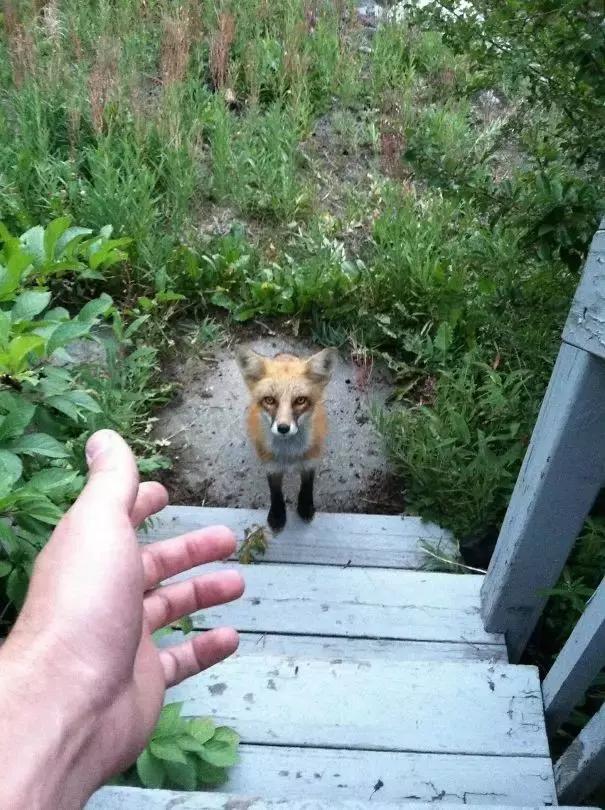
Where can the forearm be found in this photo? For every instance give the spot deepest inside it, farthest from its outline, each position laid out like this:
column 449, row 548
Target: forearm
column 46, row 739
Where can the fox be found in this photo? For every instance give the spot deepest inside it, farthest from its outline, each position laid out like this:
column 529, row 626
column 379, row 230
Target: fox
column 287, row 421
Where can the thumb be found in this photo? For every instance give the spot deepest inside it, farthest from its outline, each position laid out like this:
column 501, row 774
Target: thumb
column 113, row 477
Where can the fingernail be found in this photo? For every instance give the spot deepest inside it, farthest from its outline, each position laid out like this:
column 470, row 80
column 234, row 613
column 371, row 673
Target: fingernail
column 99, row 443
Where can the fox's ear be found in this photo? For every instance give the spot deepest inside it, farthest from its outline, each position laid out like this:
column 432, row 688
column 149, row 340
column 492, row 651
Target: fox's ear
column 251, row 364
column 321, row 365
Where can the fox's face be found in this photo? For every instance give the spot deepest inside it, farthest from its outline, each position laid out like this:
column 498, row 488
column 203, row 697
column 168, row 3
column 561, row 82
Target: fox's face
column 286, row 388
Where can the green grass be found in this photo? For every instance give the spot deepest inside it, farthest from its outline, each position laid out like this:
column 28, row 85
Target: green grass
column 374, row 201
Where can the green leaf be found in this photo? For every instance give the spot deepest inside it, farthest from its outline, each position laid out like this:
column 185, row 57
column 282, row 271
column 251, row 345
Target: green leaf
column 95, row 308
column 57, row 314
column 5, row 327
column 56, row 268
column 54, row 230
column 29, row 304
column 189, row 743
column 10, row 278
column 135, row 325
column 150, row 770
column 8, row 539
column 66, row 333
column 161, row 633
column 443, row 338
column 67, row 240
column 201, row 729
column 40, row 508
column 169, row 721
column 228, row 735
column 39, row 444
column 5, row 568
column 73, row 404
column 63, row 405
column 16, row 586
column 209, row 774
column 108, row 253
column 167, row 749
column 11, row 469
column 182, row 775
column 219, row 753
column 92, row 275
column 52, row 480
column 84, row 401
column 20, row 347
column 169, row 296
column 185, row 625
column 221, row 299
column 33, row 241
column 15, row 422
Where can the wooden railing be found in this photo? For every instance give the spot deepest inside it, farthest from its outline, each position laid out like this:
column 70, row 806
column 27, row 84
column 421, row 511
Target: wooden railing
column 562, row 473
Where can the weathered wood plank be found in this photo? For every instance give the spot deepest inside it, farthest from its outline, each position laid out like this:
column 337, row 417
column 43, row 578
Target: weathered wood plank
column 563, row 470
column 423, row 707
column 330, row 539
column 111, row 798
column 340, row 775
column 319, row 773
column 581, row 769
column 585, row 326
column 118, row 798
column 360, row 602
column 578, row 663
column 325, row 648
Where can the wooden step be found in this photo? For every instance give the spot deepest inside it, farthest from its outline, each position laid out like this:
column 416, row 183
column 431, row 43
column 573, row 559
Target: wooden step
column 315, row 600
column 467, row 709
column 332, row 730
column 377, row 541
column 334, row 601
column 326, row 648
column 358, row 672
column 116, row 798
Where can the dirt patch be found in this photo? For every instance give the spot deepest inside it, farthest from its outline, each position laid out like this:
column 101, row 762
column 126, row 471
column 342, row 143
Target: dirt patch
column 214, row 464
column 343, row 163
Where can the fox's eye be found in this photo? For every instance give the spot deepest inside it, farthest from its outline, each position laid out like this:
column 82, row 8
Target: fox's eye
column 269, row 401
column 301, row 401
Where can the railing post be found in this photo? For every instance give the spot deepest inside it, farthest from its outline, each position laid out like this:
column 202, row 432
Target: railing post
column 578, row 663
column 580, row 770
column 563, row 470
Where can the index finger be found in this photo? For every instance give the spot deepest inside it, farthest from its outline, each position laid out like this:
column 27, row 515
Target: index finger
column 167, row 558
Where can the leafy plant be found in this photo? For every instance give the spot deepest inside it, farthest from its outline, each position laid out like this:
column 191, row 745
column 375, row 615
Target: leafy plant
column 255, row 543
column 459, row 455
column 184, row 753
column 46, row 405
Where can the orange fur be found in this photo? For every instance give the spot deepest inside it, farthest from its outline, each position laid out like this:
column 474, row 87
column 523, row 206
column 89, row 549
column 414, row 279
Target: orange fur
column 287, row 388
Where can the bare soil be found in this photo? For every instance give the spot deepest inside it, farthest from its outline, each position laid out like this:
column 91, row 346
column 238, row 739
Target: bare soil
column 214, row 464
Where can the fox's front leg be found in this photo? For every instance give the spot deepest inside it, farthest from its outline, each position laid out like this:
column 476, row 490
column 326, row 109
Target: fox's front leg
column 306, row 509
column 277, row 511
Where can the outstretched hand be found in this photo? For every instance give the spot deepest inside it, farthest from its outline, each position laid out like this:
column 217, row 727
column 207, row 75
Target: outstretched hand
column 82, row 652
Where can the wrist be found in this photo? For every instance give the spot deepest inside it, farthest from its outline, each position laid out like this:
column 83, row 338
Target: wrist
column 45, row 732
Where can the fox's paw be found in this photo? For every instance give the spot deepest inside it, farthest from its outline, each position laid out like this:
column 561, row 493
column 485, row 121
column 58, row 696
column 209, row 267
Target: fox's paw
column 277, row 518
column 306, row 511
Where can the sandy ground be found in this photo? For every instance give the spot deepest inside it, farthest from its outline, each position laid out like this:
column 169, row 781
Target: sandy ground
column 215, row 465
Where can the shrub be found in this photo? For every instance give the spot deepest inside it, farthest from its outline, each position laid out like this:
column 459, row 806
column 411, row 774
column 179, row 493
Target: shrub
column 44, row 406
column 459, row 453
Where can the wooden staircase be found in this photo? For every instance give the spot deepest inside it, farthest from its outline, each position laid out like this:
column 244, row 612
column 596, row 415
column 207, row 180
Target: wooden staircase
column 362, row 679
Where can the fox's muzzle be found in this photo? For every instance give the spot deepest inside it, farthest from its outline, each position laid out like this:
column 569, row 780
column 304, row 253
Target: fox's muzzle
column 284, row 428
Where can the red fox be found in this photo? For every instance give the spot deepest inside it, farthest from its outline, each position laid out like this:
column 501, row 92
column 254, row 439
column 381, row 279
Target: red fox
column 287, row 421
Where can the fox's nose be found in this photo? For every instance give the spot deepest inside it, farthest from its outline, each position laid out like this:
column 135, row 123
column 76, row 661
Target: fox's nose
column 283, row 428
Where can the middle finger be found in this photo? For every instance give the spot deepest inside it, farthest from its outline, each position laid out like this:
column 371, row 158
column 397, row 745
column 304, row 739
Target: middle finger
column 171, row 602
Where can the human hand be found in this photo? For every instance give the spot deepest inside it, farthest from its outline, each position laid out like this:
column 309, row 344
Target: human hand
column 81, row 680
